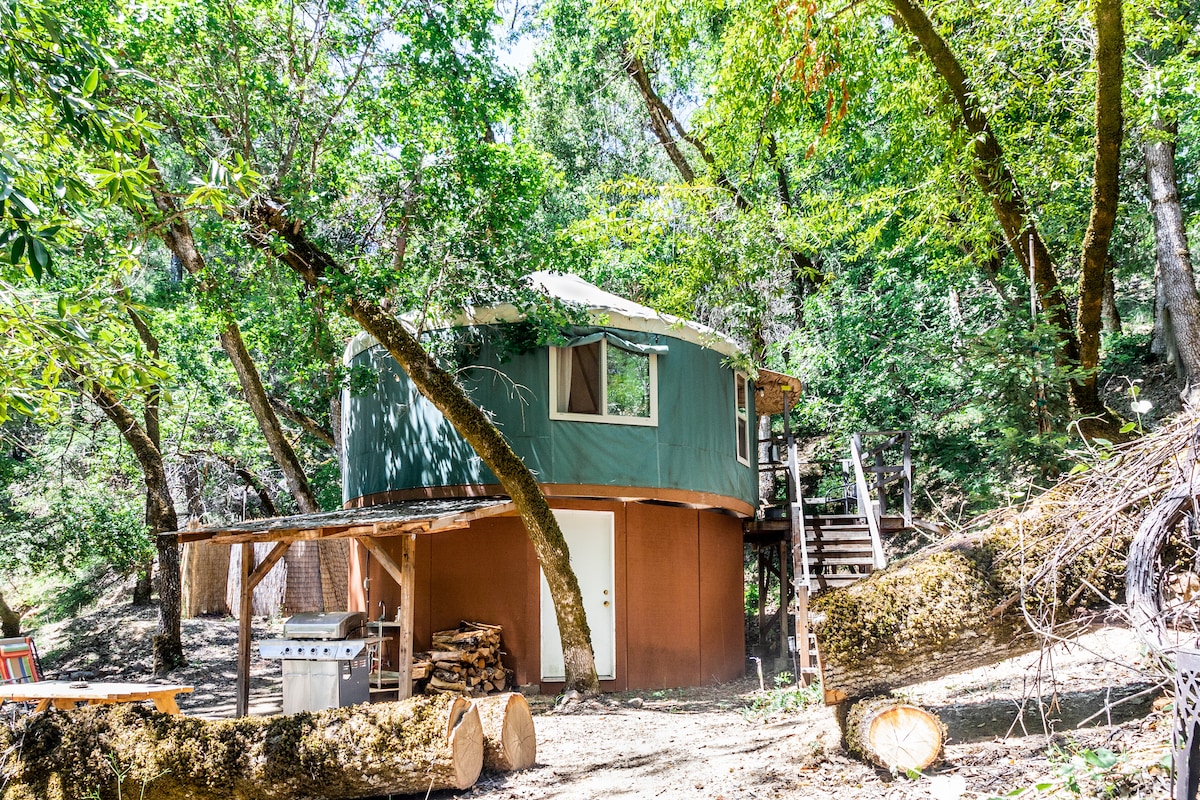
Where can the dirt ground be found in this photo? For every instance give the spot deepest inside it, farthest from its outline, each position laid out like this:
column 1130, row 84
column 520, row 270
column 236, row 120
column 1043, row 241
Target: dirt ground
column 726, row 742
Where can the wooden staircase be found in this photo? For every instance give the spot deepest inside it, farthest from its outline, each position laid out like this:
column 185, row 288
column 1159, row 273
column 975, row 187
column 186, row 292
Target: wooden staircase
column 833, row 541
column 840, row 550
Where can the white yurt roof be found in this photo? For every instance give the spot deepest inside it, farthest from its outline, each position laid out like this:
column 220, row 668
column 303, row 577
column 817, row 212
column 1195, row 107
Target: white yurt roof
column 605, row 308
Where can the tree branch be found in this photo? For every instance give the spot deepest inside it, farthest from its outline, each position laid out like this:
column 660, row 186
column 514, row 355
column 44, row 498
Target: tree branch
column 311, row 426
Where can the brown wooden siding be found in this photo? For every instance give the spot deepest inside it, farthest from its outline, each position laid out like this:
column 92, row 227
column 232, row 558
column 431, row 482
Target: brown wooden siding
column 677, row 592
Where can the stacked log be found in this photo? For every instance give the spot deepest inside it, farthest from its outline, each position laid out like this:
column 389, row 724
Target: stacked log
column 463, row 661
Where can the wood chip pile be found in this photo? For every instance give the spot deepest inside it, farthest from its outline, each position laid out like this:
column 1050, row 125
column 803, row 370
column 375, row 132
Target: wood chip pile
column 465, row 661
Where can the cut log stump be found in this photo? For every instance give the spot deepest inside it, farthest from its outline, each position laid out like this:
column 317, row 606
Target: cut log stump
column 894, row 735
column 509, row 742
column 404, row 747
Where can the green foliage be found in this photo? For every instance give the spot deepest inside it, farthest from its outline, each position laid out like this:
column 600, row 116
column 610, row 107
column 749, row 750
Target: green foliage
column 785, row 698
column 1079, row 772
column 1125, row 352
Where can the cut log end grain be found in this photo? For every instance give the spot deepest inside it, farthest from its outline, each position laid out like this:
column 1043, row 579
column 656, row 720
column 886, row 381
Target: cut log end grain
column 894, row 735
column 466, row 743
column 510, row 742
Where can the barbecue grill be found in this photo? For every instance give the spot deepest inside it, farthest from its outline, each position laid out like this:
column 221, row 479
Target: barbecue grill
column 321, row 667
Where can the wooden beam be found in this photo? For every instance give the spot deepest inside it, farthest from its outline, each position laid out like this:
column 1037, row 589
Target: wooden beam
column 270, row 561
column 404, row 574
column 245, row 606
column 277, row 535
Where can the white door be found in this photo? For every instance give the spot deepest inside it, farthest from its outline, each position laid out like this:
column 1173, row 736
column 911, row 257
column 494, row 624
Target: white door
column 589, row 536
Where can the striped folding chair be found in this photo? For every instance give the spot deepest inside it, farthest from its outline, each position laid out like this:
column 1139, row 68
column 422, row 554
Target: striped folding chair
column 19, row 661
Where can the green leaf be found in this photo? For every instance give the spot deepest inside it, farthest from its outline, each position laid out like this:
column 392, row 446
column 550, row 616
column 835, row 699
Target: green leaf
column 39, row 257
column 18, row 250
column 1128, row 426
column 91, row 81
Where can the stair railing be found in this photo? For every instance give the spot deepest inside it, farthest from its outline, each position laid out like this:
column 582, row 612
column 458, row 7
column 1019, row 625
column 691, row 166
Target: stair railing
column 867, row 506
column 797, row 517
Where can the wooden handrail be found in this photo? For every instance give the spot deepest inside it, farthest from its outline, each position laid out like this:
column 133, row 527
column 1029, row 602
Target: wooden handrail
column 797, row 513
column 869, row 512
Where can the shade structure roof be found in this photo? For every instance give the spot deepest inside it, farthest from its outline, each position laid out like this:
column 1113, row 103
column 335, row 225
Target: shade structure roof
column 389, row 519
column 605, row 308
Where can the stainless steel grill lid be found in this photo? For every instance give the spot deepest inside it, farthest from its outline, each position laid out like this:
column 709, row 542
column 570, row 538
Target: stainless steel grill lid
column 312, row 650
column 329, row 625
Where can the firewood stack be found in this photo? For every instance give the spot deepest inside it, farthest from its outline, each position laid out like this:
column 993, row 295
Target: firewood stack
column 465, row 661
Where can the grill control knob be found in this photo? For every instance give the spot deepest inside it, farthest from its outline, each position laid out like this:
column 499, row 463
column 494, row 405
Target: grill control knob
column 287, row 650
column 324, row 651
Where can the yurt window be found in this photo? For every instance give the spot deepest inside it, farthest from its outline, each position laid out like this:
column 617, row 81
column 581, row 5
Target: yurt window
column 602, row 382
column 742, row 413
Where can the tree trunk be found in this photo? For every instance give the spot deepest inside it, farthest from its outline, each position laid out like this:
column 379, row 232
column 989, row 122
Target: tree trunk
column 256, row 397
column 1162, row 338
column 143, row 588
column 10, row 618
column 409, row 747
column 893, row 735
column 1106, row 190
column 950, row 607
column 995, row 179
column 268, row 224
column 160, row 517
column 304, row 591
column 1177, row 325
column 509, row 740
column 1111, row 314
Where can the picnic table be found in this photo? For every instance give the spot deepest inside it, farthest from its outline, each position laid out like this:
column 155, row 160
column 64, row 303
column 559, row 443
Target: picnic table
column 65, row 694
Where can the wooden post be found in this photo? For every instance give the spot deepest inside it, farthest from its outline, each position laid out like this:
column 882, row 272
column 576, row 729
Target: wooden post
column 762, row 601
column 784, row 597
column 245, row 607
column 403, row 572
column 252, row 576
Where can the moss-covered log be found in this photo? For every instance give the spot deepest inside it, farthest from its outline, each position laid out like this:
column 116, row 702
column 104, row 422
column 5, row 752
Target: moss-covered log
column 110, row 752
column 952, row 607
column 510, row 742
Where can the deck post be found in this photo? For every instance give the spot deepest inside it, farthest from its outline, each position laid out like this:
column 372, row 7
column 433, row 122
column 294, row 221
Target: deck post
column 784, row 597
column 245, row 607
column 252, row 575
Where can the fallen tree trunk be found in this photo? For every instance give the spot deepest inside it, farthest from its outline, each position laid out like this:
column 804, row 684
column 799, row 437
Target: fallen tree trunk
column 952, row 607
column 893, row 735
column 111, row 752
column 509, row 740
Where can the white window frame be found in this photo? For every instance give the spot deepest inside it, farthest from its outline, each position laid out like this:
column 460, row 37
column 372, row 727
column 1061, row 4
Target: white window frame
column 741, row 416
column 604, row 416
